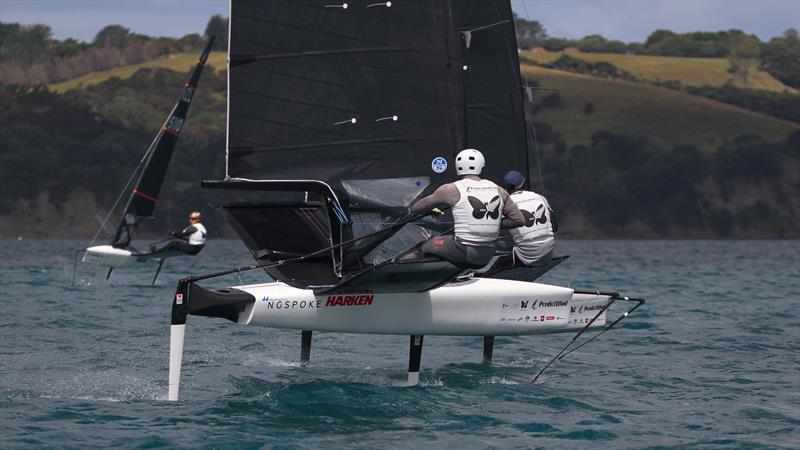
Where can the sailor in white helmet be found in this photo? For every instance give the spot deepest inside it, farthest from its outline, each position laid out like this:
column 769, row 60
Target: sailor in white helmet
column 535, row 240
column 190, row 240
column 478, row 207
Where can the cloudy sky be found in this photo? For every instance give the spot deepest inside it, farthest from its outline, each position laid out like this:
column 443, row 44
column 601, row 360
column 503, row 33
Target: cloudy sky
column 626, row 20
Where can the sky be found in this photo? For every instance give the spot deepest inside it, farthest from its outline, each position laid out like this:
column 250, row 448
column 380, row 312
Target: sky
column 625, row 20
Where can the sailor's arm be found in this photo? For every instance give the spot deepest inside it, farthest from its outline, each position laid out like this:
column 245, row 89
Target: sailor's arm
column 553, row 222
column 445, row 196
column 185, row 232
column 512, row 216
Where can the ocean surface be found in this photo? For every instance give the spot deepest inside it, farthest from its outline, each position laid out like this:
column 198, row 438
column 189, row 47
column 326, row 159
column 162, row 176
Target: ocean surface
column 711, row 361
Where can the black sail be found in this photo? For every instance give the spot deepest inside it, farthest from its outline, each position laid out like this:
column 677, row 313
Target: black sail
column 323, row 92
column 361, row 97
column 144, row 194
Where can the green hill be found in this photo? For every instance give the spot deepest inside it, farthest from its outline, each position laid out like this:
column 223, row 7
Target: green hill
column 689, row 71
column 667, row 116
column 180, row 62
column 620, row 159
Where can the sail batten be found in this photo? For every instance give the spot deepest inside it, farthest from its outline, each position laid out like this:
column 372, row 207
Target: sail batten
column 305, row 77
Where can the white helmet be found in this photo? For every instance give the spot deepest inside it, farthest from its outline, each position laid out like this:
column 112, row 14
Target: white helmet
column 469, row 162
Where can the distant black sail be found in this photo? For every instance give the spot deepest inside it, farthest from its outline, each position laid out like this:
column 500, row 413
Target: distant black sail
column 144, row 194
column 331, row 91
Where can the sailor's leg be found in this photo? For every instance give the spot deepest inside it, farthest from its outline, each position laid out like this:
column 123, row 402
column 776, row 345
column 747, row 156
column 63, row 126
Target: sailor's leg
column 305, row 348
column 488, row 348
column 411, row 254
column 414, row 358
column 160, row 263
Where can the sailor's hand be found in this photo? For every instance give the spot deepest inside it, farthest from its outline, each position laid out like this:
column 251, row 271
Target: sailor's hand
column 436, row 212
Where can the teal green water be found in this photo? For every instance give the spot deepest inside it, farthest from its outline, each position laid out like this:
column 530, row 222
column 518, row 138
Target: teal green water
column 711, row 361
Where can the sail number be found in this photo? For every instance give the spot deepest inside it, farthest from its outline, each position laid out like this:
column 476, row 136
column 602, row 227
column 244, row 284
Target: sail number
column 175, row 124
column 187, row 95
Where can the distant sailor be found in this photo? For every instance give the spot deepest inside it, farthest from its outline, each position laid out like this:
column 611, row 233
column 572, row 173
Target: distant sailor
column 478, row 207
column 190, row 240
column 535, row 240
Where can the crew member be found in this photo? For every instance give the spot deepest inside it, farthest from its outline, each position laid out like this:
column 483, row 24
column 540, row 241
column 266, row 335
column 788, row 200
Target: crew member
column 478, row 207
column 535, row 240
column 190, row 240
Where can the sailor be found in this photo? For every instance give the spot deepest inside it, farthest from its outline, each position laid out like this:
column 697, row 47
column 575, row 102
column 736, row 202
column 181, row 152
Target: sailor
column 190, row 240
column 478, row 207
column 535, row 240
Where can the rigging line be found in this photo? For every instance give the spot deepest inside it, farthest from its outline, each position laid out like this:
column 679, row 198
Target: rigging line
column 525, row 7
column 538, row 158
column 624, row 315
column 413, row 218
column 150, row 149
column 610, row 302
column 119, row 197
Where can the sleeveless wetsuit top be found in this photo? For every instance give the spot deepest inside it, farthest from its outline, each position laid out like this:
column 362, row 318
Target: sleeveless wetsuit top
column 478, row 212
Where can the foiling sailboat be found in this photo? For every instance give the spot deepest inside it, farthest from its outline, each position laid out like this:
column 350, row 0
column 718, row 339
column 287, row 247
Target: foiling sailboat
column 143, row 194
column 340, row 115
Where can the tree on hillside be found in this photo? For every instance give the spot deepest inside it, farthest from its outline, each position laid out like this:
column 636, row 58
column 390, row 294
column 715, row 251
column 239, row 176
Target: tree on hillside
column 781, row 58
column 218, row 27
column 698, row 44
column 25, row 44
column 529, row 32
column 112, row 36
column 658, row 36
column 742, row 57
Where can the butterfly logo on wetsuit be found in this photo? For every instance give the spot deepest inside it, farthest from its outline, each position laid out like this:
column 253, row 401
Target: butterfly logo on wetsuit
column 481, row 210
column 530, row 217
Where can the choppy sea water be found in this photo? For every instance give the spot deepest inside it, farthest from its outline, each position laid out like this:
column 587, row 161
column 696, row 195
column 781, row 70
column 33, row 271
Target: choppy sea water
column 711, row 361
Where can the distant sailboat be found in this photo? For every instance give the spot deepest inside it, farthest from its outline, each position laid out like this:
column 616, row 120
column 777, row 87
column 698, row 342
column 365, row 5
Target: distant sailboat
column 143, row 196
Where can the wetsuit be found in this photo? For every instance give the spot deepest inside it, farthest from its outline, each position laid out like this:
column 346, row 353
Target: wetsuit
column 478, row 207
column 190, row 240
column 534, row 242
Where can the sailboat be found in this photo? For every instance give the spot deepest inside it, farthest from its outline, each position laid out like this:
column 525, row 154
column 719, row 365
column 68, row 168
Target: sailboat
column 340, row 116
column 142, row 197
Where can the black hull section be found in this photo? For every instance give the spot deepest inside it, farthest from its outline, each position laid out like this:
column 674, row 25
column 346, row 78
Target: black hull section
column 197, row 301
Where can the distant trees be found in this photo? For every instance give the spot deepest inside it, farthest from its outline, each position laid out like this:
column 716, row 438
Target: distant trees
column 529, row 32
column 113, row 36
column 601, row 69
column 55, row 146
column 29, row 55
column 781, row 58
column 783, row 105
column 621, row 180
column 743, row 56
column 218, row 27
column 26, row 44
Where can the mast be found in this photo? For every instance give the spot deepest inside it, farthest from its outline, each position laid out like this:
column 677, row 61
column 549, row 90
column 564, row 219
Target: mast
column 154, row 164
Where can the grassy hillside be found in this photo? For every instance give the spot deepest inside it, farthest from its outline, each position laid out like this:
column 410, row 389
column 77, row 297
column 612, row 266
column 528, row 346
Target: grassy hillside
column 181, row 62
column 667, row 116
column 689, row 71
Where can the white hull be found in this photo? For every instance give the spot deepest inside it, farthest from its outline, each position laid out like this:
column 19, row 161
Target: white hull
column 474, row 307
column 106, row 255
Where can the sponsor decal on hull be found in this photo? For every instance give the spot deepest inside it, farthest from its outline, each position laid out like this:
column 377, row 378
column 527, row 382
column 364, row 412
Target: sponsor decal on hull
column 273, row 303
column 591, row 308
column 349, row 300
column 535, row 304
column 331, row 301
